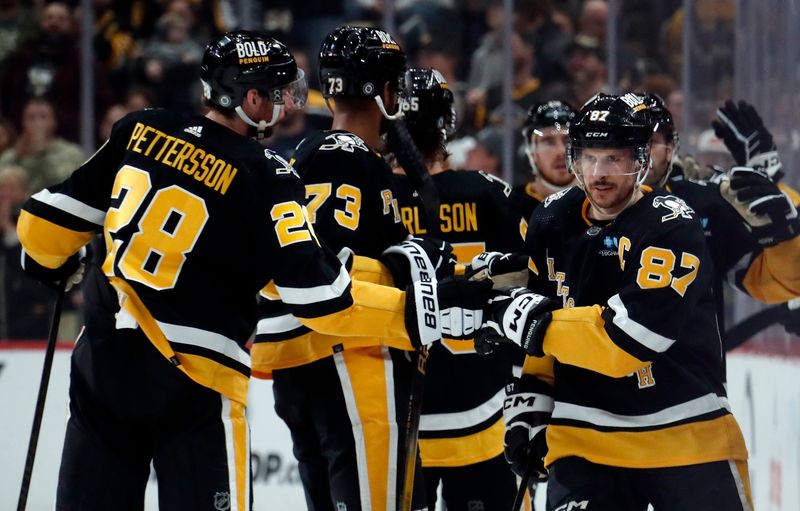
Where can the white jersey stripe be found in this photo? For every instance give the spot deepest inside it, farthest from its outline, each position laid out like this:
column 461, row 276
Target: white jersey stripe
column 277, row 324
column 205, row 339
column 310, row 295
column 598, row 417
column 230, row 453
column 358, row 430
column 460, row 420
column 71, row 206
column 637, row 331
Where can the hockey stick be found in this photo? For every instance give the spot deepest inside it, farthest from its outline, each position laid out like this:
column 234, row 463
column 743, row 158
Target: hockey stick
column 519, row 499
column 40, row 399
column 744, row 330
column 409, row 157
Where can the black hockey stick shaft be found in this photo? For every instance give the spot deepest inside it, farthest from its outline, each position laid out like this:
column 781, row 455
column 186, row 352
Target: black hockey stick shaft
column 40, row 399
column 519, row 498
column 744, row 330
column 409, row 157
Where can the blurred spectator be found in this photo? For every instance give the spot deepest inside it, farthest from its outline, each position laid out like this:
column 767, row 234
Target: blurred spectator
column 535, row 22
column 587, row 70
column 172, row 42
column 594, row 20
column 113, row 114
column 486, row 69
column 50, row 66
column 46, row 157
column 711, row 151
column 487, row 154
column 25, row 305
column 658, row 83
column 675, row 105
column 18, row 24
column 8, row 135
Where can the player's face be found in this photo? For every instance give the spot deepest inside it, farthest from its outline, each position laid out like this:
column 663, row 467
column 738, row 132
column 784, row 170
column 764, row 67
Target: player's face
column 661, row 154
column 549, row 152
column 608, row 176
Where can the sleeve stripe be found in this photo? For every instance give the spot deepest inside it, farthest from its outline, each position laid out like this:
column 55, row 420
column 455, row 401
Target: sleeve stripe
column 464, row 419
column 277, row 324
column 205, row 339
column 311, row 295
column 71, row 206
column 637, row 331
column 682, row 411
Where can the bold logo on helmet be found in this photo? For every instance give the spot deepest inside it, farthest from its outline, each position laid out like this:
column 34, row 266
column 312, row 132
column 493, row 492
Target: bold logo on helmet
column 252, row 52
column 677, row 207
column 387, row 41
column 633, row 101
column 596, row 134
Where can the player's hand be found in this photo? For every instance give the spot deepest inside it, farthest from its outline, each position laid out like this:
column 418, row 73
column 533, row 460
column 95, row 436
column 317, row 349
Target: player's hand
column 409, row 259
column 71, row 272
column 526, row 412
column 768, row 212
column 744, row 134
column 498, row 263
column 452, row 308
column 516, row 315
column 461, row 302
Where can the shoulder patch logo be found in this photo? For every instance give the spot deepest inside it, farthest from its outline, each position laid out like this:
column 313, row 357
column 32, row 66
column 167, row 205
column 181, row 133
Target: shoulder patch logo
column 555, row 196
column 344, row 141
column 677, row 207
column 283, row 166
column 197, row 131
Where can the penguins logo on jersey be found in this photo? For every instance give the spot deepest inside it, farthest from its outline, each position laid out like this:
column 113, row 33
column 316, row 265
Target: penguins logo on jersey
column 344, row 141
column 675, row 205
column 555, row 196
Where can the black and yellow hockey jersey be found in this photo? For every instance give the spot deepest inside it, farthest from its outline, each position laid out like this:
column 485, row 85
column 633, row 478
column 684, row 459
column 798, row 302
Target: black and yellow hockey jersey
column 527, row 199
column 461, row 420
column 635, row 355
column 350, row 202
column 197, row 219
column 735, row 251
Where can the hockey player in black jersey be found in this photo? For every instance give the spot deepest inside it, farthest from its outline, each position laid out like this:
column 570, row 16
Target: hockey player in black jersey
column 197, row 218
column 343, row 398
column 461, row 428
column 546, row 135
column 622, row 394
column 734, row 244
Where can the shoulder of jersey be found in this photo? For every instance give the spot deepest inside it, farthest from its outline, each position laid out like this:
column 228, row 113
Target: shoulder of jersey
column 472, row 182
column 337, row 150
column 563, row 199
column 666, row 207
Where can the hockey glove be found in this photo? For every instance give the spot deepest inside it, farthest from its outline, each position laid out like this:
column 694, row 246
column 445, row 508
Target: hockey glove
column 462, row 301
column 408, row 259
column 768, row 213
column 452, row 308
column 71, row 271
column 517, row 315
column 497, row 263
column 526, row 412
column 744, row 134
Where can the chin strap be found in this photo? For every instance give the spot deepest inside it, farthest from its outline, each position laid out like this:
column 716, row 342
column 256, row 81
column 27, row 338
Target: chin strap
column 262, row 125
column 382, row 108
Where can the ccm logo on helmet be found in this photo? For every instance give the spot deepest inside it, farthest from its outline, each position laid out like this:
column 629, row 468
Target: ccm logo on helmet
column 251, row 52
column 597, row 134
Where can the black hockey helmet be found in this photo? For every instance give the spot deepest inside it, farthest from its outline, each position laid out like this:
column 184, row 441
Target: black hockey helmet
column 427, row 105
column 356, row 62
column 544, row 115
column 661, row 117
column 242, row 60
column 611, row 121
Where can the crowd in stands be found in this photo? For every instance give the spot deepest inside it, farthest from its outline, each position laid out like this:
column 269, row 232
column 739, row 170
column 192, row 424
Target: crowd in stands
column 146, row 54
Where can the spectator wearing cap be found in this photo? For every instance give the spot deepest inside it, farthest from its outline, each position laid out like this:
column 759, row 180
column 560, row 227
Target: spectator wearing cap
column 487, row 153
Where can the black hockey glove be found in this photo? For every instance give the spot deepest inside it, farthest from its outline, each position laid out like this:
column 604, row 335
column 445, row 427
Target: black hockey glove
column 516, row 315
column 71, row 271
column 452, row 308
column 768, row 213
column 526, row 413
column 407, row 259
column 498, row 263
column 744, row 134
